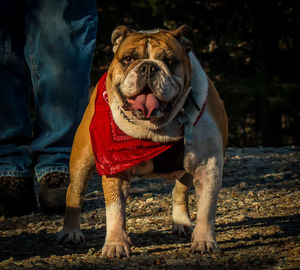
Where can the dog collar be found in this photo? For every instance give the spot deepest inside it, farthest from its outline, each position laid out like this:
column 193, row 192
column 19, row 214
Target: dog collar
column 191, row 112
column 195, row 105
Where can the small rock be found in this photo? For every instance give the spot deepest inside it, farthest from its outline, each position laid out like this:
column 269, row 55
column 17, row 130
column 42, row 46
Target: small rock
column 147, row 195
column 165, row 205
column 173, row 262
column 297, row 250
column 244, row 185
column 251, row 193
column 256, row 204
column 149, row 200
column 240, row 217
column 91, row 251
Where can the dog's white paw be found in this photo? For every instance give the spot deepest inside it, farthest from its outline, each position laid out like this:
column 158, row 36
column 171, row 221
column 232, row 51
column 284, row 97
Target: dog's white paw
column 205, row 246
column 182, row 224
column 204, row 243
column 117, row 246
column 67, row 235
column 183, row 230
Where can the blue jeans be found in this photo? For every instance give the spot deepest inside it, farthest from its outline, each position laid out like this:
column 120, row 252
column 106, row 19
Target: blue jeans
column 45, row 46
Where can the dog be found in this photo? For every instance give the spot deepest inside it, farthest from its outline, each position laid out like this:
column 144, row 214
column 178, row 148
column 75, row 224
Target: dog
column 155, row 110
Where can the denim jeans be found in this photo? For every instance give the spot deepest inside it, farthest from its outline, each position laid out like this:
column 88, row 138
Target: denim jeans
column 46, row 49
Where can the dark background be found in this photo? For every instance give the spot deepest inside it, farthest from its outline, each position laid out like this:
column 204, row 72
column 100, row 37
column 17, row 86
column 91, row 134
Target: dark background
column 250, row 49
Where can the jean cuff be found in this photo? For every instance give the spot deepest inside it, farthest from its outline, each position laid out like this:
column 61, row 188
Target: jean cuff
column 20, row 174
column 41, row 172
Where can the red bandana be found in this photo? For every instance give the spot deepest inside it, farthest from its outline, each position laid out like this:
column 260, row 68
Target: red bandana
column 114, row 150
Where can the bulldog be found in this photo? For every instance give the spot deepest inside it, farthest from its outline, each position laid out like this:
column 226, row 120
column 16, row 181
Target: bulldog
column 155, row 110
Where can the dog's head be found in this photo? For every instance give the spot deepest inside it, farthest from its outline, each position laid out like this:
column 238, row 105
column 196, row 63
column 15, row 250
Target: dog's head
column 150, row 73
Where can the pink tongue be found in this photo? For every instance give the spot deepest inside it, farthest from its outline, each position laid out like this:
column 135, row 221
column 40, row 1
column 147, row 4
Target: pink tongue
column 146, row 103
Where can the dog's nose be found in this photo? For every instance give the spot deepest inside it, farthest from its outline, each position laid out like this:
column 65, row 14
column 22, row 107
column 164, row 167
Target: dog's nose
column 148, row 68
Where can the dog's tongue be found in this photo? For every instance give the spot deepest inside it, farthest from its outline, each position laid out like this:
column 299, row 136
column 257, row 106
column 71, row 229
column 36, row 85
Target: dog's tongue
column 146, row 103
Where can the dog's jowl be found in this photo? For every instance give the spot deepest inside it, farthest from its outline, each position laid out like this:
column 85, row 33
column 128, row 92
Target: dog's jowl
column 154, row 101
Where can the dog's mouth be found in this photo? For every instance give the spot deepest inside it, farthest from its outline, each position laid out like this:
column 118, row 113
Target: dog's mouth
column 146, row 105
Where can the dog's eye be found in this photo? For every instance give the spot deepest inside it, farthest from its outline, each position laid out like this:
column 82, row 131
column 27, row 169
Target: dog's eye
column 170, row 61
column 127, row 60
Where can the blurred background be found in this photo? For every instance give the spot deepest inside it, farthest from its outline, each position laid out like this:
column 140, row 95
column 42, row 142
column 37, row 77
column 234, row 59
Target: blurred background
column 250, row 49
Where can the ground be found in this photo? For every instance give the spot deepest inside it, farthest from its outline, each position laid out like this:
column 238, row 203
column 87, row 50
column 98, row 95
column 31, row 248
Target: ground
column 257, row 223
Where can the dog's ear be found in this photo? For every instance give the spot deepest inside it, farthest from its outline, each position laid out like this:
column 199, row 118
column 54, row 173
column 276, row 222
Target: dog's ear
column 185, row 35
column 118, row 36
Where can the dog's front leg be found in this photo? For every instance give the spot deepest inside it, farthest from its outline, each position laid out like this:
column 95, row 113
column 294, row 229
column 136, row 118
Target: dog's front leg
column 117, row 242
column 207, row 181
column 82, row 167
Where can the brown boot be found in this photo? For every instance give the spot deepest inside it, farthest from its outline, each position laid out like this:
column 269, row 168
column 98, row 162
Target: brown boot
column 17, row 196
column 53, row 189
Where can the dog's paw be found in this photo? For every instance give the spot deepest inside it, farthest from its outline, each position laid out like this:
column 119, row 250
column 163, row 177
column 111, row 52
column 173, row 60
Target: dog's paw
column 204, row 244
column 70, row 235
column 117, row 247
column 204, row 240
column 183, row 230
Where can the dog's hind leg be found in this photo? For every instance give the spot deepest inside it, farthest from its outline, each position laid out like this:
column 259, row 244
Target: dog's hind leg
column 182, row 224
column 117, row 242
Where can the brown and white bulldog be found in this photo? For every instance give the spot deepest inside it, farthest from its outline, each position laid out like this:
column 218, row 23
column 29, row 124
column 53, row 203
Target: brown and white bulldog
column 157, row 93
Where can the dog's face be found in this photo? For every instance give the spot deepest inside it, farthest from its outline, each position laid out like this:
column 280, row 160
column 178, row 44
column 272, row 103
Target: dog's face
column 149, row 73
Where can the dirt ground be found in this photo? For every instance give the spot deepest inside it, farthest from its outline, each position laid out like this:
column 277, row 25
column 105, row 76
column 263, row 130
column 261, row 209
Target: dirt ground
column 257, row 224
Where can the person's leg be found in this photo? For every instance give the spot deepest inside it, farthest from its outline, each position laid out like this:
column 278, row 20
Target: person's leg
column 59, row 49
column 16, row 183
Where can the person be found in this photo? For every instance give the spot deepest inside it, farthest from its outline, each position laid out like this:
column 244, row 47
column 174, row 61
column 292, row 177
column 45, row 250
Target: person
column 45, row 46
